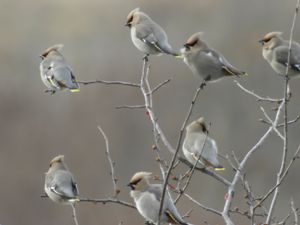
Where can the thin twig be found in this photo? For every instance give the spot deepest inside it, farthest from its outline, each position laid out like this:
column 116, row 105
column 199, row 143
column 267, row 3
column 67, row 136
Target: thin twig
column 281, row 124
column 74, row 214
column 111, row 163
column 192, row 170
column 177, row 150
column 231, row 188
column 295, row 156
column 109, row 83
column 202, row 206
column 108, row 200
column 286, row 96
column 159, row 86
column 131, row 107
column 259, row 98
column 272, row 123
column 294, row 210
column 204, row 170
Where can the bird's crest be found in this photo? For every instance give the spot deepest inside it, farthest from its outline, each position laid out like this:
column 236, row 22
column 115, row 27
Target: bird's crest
column 56, row 47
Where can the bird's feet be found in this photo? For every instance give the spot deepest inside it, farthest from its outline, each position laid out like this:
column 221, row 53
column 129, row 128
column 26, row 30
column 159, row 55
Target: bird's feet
column 145, row 57
column 50, row 91
column 148, row 223
column 202, row 85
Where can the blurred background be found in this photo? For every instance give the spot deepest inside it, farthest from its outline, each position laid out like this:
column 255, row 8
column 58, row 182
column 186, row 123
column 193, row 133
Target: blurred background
column 36, row 126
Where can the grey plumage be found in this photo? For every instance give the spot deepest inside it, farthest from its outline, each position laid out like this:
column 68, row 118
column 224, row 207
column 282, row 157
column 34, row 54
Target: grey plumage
column 147, row 198
column 60, row 185
column 197, row 143
column 147, row 35
column 56, row 74
column 206, row 62
column 275, row 51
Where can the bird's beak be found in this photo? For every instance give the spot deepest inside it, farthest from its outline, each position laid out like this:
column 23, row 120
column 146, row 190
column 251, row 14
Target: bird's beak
column 131, row 186
column 127, row 25
column 262, row 42
column 42, row 57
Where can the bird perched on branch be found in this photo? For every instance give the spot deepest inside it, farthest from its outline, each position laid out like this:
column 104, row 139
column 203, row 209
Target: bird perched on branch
column 147, row 35
column 147, row 198
column 60, row 185
column 199, row 147
column 55, row 72
column 206, row 62
column 275, row 51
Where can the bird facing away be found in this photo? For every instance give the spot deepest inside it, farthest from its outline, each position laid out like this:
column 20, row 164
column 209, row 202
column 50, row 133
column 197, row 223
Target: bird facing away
column 55, row 71
column 59, row 182
column 275, row 51
column 198, row 143
column 147, row 35
column 147, row 198
column 205, row 61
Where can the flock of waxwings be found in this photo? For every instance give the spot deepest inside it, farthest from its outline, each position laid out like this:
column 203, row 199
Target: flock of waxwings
column 203, row 61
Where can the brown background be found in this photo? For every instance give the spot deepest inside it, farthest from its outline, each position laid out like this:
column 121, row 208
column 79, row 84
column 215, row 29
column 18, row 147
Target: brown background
column 36, row 126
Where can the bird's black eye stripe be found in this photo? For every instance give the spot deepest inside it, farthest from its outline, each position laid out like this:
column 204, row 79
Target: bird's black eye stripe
column 136, row 182
column 192, row 43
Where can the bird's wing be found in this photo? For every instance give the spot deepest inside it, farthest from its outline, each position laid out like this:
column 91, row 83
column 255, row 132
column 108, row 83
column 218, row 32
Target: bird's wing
column 63, row 185
column 62, row 75
column 154, row 35
column 281, row 56
column 156, row 190
column 219, row 59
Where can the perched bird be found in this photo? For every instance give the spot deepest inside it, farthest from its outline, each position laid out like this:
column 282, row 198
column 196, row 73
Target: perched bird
column 205, row 61
column 55, row 72
column 59, row 182
column 197, row 144
column 147, row 35
column 147, row 198
column 275, row 50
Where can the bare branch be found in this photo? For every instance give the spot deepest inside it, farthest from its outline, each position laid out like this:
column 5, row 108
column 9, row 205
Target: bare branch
column 111, row 163
column 231, row 188
column 259, row 98
column 108, row 200
column 159, row 86
column 281, row 179
column 286, row 98
column 203, row 206
column 272, row 123
column 109, row 83
column 294, row 210
column 177, row 150
column 204, row 170
column 131, row 107
column 74, row 214
column 192, row 170
column 290, row 122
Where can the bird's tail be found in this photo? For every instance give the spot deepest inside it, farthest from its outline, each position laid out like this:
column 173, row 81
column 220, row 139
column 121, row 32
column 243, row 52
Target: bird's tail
column 219, row 168
column 74, row 200
column 75, row 90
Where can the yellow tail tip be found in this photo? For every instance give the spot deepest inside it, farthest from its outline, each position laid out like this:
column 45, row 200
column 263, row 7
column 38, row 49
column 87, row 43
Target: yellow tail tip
column 220, row 169
column 74, row 200
column 179, row 56
column 75, row 90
